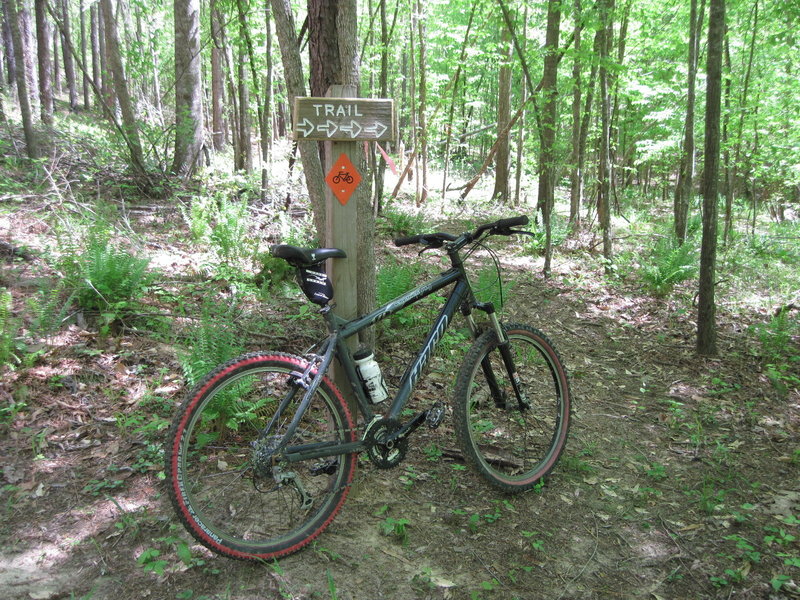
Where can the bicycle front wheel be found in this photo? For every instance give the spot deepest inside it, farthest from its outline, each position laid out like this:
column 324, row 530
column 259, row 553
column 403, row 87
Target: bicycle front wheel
column 512, row 446
column 226, row 481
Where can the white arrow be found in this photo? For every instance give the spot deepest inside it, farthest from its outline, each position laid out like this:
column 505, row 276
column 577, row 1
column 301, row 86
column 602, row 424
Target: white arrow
column 353, row 129
column 329, row 128
column 306, row 127
column 376, row 129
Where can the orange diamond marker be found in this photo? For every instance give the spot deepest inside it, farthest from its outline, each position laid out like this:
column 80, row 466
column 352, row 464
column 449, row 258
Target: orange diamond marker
column 343, row 179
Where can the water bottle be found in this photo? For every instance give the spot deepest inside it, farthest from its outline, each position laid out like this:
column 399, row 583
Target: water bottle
column 370, row 374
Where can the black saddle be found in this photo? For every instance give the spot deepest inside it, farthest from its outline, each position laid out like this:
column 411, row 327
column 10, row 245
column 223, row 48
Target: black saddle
column 305, row 257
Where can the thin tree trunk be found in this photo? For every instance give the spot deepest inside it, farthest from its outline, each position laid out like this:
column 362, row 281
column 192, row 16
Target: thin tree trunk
column 129, row 123
column 706, row 316
column 576, row 171
column 69, row 64
column 8, row 44
column 684, row 187
column 728, row 167
column 85, row 75
column 423, row 103
column 94, row 36
column 548, row 129
column 521, row 136
column 14, row 17
column 45, row 62
column 606, row 8
column 743, row 99
column 188, row 88
column 501, row 161
column 217, row 79
column 245, row 148
column 293, row 76
column 454, row 94
column 265, row 118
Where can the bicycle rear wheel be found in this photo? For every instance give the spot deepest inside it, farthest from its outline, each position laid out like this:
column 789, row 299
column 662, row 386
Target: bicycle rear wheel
column 512, row 447
column 227, row 487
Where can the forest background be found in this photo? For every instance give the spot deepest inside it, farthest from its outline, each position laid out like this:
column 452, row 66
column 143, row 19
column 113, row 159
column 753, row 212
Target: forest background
column 147, row 162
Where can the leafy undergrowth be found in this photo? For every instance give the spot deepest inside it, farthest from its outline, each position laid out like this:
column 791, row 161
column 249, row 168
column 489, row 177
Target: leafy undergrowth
column 680, row 479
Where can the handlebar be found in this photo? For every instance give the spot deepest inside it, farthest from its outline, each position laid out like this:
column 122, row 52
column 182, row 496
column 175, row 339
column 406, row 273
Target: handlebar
column 437, row 240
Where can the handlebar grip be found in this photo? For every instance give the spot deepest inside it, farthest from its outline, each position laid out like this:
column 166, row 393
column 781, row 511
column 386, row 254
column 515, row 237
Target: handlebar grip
column 405, row 241
column 511, row 222
column 433, row 240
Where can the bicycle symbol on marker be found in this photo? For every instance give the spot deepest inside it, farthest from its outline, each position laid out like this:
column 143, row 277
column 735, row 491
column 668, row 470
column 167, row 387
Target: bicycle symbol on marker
column 344, row 177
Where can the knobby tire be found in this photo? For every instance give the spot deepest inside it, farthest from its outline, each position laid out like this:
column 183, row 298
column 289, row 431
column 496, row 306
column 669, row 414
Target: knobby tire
column 229, row 499
column 512, row 448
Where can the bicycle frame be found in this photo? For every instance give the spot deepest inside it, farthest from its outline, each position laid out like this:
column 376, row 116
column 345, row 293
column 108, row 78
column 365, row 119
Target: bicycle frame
column 460, row 296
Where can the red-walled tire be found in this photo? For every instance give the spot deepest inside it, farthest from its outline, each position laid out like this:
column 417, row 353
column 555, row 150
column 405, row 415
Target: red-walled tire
column 228, row 498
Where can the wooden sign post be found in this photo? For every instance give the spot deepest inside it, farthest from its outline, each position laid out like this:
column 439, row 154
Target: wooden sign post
column 344, row 122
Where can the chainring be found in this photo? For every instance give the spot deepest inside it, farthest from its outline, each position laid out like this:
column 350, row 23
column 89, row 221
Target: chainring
column 384, row 456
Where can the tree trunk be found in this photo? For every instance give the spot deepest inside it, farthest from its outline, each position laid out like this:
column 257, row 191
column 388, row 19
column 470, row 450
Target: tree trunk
column 265, row 120
column 728, row 167
column 576, row 167
column 8, row 44
column 547, row 133
column 94, row 35
column 501, row 161
column 130, row 126
column 521, row 137
column 422, row 123
column 45, row 62
column 188, row 88
column 85, row 75
column 604, row 163
column 245, row 153
column 217, row 79
column 69, row 63
column 453, row 95
column 293, row 76
column 706, row 316
column 14, row 17
column 684, row 187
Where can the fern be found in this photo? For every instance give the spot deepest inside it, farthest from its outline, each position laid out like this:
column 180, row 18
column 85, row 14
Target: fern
column 50, row 307
column 670, row 264
column 8, row 328
column 109, row 276
column 212, row 341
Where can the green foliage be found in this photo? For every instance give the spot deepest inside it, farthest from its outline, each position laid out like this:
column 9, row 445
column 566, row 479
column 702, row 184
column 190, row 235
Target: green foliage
column 109, row 277
column 213, row 340
column 489, row 287
column 50, row 307
column 98, row 272
column 397, row 528
column 8, row 329
column 536, row 244
column 223, row 225
column 273, row 271
column 780, row 350
column 398, row 223
column 395, row 278
column 668, row 264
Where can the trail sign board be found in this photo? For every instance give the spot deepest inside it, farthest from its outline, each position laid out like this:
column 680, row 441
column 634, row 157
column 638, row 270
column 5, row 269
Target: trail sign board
column 344, row 119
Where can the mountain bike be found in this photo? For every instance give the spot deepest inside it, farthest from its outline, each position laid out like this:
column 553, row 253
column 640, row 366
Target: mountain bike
column 262, row 452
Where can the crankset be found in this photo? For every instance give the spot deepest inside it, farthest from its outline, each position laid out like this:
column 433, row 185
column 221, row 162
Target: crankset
column 383, row 451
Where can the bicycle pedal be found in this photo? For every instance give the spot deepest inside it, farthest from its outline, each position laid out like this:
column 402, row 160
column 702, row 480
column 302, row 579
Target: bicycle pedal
column 434, row 415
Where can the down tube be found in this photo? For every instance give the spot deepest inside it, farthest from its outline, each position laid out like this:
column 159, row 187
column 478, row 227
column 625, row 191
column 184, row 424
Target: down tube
column 414, row 370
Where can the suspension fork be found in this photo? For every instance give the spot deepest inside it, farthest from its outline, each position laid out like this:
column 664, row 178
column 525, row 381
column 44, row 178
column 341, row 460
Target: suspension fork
column 498, row 395
column 504, row 345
